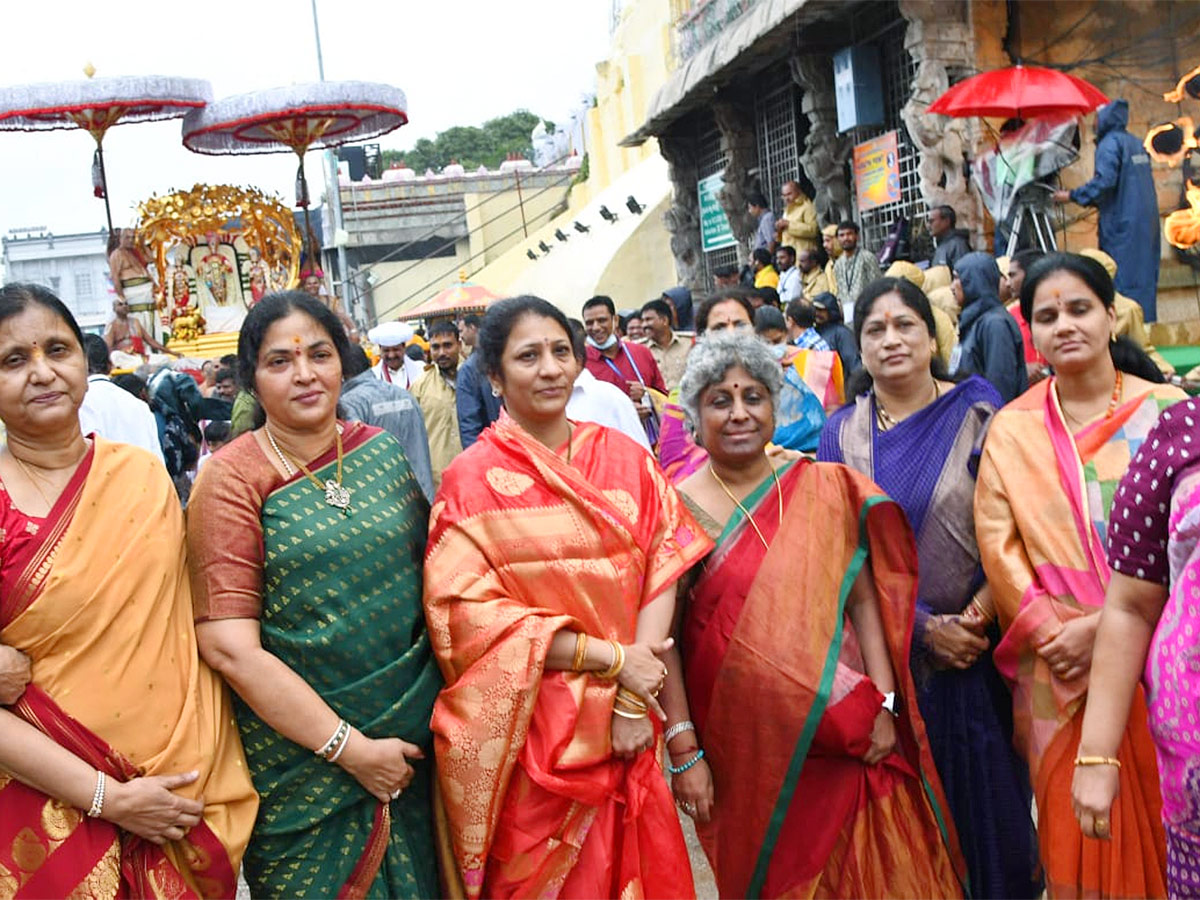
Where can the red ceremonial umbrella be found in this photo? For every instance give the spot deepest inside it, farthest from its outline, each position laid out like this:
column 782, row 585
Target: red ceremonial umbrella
column 97, row 104
column 463, row 297
column 296, row 118
column 1019, row 92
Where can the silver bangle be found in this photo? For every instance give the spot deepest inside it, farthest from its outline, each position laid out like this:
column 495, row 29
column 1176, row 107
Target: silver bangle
column 677, row 729
column 98, row 796
column 338, row 733
column 341, row 747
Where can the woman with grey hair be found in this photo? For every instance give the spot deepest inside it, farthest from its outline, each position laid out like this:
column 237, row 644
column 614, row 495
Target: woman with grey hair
column 796, row 682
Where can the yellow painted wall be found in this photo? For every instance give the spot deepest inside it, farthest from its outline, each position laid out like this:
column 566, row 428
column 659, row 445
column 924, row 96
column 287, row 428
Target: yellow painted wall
column 495, row 220
column 394, row 281
column 638, row 65
column 645, row 266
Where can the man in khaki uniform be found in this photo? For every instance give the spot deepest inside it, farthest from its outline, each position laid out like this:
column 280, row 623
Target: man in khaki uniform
column 798, row 227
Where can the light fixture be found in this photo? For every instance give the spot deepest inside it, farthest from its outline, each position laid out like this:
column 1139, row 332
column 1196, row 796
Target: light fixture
column 532, row 255
column 633, row 206
column 608, row 215
column 582, row 229
column 559, row 236
column 544, row 247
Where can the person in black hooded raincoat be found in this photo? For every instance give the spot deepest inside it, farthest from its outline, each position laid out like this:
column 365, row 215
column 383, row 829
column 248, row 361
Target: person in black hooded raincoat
column 989, row 339
column 1122, row 190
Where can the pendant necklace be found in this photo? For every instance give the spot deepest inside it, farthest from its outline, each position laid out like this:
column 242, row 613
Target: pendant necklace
column 746, row 512
column 336, row 494
column 886, row 421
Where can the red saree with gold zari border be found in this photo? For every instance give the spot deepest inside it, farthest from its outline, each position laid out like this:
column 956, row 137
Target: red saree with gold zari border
column 523, row 545
column 1041, row 508
column 784, row 709
column 117, row 680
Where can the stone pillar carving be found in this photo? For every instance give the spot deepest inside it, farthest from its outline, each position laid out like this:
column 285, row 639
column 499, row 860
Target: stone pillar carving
column 735, row 121
column 939, row 36
column 683, row 217
column 825, row 151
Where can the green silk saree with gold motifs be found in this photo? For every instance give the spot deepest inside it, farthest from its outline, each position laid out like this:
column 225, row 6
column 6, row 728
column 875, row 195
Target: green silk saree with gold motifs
column 342, row 607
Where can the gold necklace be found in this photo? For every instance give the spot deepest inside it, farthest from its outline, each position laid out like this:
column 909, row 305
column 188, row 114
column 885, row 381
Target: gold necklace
column 746, row 512
column 32, row 480
column 886, row 421
column 1118, row 386
column 336, row 494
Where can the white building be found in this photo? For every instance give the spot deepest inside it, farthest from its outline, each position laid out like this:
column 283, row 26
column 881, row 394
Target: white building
column 73, row 266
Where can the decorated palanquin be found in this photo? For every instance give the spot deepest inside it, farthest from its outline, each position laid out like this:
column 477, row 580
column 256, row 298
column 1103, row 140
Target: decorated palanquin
column 218, row 250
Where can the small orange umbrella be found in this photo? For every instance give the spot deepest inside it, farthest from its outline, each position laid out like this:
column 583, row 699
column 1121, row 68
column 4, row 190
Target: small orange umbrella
column 458, row 299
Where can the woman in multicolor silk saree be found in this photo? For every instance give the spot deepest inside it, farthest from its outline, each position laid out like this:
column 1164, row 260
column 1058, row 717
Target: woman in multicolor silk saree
column 821, row 781
column 1050, row 465
column 1148, row 632
column 306, row 538
column 551, row 544
column 918, row 436
column 120, row 708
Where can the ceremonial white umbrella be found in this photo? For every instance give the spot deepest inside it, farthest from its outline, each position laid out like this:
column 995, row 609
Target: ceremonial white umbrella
column 96, row 104
column 296, row 118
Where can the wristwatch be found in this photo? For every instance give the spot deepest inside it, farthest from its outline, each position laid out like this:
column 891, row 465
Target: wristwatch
column 889, row 703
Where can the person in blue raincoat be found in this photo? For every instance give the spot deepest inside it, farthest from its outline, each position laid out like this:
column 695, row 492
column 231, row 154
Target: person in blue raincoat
column 1122, row 190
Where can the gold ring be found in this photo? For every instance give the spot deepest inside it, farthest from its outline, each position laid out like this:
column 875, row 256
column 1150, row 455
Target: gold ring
column 1100, row 824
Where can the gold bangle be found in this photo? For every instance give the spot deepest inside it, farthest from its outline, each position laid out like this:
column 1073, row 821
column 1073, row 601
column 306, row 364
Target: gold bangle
column 628, row 715
column 624, row 693
column 626, row 705
column 580, row 652
column 618, row 662
column 1097, row 761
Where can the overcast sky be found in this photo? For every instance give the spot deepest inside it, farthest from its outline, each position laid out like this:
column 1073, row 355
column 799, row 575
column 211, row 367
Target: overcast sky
column 460, row 63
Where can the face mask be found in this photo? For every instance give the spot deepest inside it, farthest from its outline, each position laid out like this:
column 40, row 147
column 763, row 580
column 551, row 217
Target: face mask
column 607, row 345
column 778, row 350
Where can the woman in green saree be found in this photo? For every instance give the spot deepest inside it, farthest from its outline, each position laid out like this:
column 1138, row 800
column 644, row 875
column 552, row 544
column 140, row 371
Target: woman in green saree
column 305, row 543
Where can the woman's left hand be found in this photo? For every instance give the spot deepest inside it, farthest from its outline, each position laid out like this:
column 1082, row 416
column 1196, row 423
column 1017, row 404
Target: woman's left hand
column 1069, row 651
column 631, row 736
column 883, row 738
column 693, row 791
column 1093, row 790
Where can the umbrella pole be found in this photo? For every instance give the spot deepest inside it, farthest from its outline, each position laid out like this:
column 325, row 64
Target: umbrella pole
column 104, row 182
column 309, row 237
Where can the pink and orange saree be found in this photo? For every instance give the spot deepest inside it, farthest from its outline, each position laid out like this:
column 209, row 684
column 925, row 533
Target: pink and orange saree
column 117, row 680
column 1041, row 511
column 521, row 545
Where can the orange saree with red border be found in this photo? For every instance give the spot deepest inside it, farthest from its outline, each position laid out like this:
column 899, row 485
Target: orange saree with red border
column 523, row 544
column 117, row 680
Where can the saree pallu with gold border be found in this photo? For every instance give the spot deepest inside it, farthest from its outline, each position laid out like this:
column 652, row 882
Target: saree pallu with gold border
column 341, row 606
column 1041, row 509
column 784, row 710
column 118, row 681
column 523, row 544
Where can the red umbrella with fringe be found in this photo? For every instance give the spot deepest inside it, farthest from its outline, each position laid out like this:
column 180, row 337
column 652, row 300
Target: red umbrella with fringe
column 1019, row 92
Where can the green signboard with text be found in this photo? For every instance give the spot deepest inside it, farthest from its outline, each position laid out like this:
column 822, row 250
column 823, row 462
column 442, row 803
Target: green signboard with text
column 715, row 232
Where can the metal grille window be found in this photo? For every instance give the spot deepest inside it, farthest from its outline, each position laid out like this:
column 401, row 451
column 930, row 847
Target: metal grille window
column 898, row 69
column 775, row 119
column 711, row 161
column 83, row 287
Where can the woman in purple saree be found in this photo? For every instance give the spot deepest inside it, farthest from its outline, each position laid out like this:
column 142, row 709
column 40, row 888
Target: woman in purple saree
column 918, row 437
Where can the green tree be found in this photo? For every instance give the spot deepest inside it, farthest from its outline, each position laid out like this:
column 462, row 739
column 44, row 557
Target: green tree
column 472, row 146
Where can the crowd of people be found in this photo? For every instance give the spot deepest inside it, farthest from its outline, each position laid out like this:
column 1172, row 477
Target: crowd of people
column 893, row 573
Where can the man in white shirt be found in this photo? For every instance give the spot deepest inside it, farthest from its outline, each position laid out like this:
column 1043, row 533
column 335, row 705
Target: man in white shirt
column 393, row 366
column 113, row 412
column 789, row 275
column 593, row 400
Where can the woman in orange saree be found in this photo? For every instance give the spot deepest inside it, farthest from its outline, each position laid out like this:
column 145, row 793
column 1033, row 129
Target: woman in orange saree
column 799, row 700
column 554, row 548
column 122, row 730
column 1051, row 462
